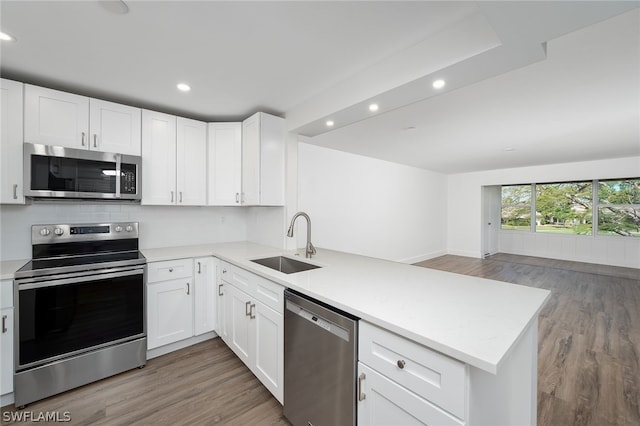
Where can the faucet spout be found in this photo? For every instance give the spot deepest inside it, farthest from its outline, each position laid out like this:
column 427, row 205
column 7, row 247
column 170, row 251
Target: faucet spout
column 310, row 250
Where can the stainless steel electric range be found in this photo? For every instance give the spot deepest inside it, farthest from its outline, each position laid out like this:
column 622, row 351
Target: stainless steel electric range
column 80, row 308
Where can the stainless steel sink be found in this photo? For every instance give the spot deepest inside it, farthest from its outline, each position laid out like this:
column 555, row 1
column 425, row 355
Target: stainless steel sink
column 285, row 264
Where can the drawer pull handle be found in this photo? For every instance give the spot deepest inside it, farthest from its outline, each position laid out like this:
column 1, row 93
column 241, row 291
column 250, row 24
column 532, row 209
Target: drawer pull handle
column 361, row 396
column 95, row 140
column 220, row 293
column 401, row 364
column 188, row 289
column 82, row 139
column 4, row 323
column 251, row 314
column 15, row 191
column 247, row 308
column 170, row 269
column 199, row 268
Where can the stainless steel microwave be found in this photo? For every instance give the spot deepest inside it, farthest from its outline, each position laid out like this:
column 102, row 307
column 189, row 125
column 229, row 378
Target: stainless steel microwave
column 59, row 172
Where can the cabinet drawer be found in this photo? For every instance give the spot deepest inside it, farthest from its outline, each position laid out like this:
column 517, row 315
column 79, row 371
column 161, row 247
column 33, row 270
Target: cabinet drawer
column 270, row 293
column 238, row 277
column 264, row 290
column 384, row 402
column 6, row 294
column 435, row 377
column 169, row 270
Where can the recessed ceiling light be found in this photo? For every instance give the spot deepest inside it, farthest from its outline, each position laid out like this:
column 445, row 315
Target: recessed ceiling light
column 330, row 123
column 6, row 37
column 438, row 84
column 183, row 87
column 373, row 107
column 409, row 129
column 509, row 149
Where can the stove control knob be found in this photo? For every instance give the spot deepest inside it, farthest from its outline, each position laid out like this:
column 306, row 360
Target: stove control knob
column 44, row 232
column 118, row 228
column 129, row 228
column 58, row 231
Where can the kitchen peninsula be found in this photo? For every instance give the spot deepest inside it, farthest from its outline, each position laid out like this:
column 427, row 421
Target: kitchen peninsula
column 488, row 329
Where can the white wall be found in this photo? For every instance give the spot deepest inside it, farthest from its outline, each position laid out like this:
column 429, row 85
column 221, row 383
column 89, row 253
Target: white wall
column 159, row 226
column 464, row 202
column 371, row 207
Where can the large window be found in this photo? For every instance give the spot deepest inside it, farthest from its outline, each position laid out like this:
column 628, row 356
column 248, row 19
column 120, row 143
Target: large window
column 619, row 207
column 564, row 208
column 605, row 207
column 516, row 207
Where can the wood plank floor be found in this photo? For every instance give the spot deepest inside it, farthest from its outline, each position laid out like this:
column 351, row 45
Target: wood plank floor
column 205, row 384
column 588, row 335
column 588, row 365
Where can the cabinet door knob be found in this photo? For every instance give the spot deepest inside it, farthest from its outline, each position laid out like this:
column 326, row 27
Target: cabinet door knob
column 220, row 293
column 15, row 191
column 199, row 268
column 172, row 196
column 251, row 308
column 180, row 196
column 4, row 323
column 170, row 269
column 188, row 288
column 224, row 271
column 95, row 140
column 401, row 364
column 247, row 309
column 82, row 141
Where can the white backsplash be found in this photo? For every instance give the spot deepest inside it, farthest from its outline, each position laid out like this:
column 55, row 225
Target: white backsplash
column 160, row 226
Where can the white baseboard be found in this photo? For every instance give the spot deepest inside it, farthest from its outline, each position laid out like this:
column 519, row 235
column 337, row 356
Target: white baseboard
column 163, row 350
column 423, row 257
column 6, row 399
column 465, row 253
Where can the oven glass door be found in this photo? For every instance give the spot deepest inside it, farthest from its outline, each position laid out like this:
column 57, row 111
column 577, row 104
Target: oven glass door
column 63, row 317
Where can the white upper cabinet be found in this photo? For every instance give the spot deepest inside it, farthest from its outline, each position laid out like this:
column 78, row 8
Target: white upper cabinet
column 225, row 164
column 56, row 118
column 263, row 150
column 174, row 160
column 11, row 186
column 114, row 127
column 158, row 158
column 52, row 117
column 191, row 157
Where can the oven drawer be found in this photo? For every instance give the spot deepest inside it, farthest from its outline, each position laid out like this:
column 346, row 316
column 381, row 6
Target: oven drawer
column 169, row 270
column 430, row 374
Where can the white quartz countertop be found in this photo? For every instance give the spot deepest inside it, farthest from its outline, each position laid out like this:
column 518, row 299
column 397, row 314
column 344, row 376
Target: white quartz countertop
column 9, row 267
column 474, row 320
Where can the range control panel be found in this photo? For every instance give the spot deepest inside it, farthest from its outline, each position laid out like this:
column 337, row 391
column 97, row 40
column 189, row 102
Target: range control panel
column 47, row 234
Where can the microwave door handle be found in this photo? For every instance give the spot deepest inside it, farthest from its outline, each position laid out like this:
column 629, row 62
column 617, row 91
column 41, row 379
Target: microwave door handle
column 118, row 175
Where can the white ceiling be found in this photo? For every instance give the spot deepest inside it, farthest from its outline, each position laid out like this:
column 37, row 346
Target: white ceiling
column 311, row 61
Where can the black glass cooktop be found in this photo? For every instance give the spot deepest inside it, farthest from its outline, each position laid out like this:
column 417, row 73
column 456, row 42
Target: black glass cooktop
column 59, row 265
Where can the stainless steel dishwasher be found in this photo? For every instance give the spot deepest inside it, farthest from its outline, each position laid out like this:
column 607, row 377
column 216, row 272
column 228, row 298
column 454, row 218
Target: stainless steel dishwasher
column 320, row 363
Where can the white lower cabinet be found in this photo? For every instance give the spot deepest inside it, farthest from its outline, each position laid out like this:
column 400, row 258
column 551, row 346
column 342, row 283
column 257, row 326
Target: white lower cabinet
column 204, row 297
column 170, row 312
column 387, row 403
column 6, row 338
column 402, row 382
column 251, row 322
column 181, row 300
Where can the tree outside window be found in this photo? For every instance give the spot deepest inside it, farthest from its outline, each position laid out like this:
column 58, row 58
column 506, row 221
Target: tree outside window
column 564, row 208
column 516, row 207
column 619, row 207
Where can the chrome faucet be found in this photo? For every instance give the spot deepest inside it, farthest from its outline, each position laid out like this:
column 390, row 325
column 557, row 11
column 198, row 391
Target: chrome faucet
column 310, row 249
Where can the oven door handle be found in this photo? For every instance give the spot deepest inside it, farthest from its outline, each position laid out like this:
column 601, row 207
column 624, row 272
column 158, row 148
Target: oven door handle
column 85, row 278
